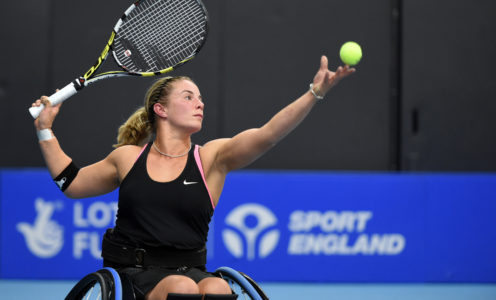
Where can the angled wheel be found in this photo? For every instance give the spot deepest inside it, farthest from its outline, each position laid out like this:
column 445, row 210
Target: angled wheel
column 104, row 284
column 241, row 284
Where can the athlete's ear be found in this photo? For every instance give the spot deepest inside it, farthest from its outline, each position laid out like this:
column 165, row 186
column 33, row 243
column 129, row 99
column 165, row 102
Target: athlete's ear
column 160, row 110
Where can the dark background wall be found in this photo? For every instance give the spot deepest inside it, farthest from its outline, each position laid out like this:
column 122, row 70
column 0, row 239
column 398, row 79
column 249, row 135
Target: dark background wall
column 449, row 90
column 422, row 99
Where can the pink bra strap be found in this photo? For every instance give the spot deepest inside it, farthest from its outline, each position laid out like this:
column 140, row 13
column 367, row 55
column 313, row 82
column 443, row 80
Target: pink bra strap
column 141, row 152
column 199, row 164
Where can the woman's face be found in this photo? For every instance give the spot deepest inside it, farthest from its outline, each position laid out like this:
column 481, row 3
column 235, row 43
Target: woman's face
column 184, row 107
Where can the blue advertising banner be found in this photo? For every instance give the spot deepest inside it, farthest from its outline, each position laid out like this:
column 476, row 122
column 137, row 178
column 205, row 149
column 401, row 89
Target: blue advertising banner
column 46, row 235
column 358, row 227
column 280, row 226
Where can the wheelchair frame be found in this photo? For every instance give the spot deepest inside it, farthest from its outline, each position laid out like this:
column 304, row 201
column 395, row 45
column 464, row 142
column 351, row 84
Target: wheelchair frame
column 112, row 286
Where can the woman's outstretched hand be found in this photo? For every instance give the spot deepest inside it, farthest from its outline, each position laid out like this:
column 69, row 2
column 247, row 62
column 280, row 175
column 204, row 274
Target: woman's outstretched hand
column 325, row 79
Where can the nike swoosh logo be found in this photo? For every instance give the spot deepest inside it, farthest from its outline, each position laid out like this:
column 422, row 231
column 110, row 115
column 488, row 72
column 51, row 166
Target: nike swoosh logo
column 189, row 182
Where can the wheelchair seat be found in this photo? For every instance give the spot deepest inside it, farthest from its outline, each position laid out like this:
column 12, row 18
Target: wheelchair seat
column 108, row 284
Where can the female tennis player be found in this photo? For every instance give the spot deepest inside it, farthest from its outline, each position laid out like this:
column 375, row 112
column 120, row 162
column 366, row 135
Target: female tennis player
column 169, row 187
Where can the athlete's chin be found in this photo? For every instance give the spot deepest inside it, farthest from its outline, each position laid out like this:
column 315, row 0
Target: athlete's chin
column 195, row 129
column 192, row 127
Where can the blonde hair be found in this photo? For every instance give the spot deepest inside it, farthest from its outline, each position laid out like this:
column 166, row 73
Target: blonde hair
column 140, row 126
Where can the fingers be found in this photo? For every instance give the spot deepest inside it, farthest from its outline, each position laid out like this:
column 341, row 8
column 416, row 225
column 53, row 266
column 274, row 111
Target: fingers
column 342, row 72
column 324, row 63
column 325, row 79
column 347, row 70
column 43, row 100
column 339, row 71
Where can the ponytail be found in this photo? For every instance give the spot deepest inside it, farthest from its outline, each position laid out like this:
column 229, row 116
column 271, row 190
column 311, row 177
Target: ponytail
column 136, row 130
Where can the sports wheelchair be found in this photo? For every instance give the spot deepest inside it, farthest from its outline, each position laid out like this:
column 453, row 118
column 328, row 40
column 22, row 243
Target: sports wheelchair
column 107, row 284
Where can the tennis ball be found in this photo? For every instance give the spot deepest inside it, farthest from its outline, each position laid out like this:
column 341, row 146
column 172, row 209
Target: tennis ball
column 350, row 53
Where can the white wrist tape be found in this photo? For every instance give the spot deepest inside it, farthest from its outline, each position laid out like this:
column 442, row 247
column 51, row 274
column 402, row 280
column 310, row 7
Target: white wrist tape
column 44, row 134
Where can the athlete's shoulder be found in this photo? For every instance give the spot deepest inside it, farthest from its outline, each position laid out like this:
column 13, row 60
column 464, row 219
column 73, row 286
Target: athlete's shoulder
column 209, row 153
column 126, row 152
column 215, row 145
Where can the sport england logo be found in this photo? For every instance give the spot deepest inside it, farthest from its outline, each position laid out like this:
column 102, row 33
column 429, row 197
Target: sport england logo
column 253, row 222
column 45, row 237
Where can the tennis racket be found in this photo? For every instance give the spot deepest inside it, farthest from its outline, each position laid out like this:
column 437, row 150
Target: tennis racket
column 152, row 37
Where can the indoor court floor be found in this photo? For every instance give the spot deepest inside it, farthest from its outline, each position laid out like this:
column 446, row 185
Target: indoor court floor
column 53, row 290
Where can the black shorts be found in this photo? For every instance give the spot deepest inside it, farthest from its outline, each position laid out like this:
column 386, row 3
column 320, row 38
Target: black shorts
column 145, row 279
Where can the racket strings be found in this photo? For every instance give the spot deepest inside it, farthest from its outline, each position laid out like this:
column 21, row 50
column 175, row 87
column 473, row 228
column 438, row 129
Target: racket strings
column 181, row 42
column 177, row 39
column 160, row 34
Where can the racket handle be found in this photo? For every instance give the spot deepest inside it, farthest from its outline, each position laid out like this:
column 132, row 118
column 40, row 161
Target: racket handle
column 59, row 97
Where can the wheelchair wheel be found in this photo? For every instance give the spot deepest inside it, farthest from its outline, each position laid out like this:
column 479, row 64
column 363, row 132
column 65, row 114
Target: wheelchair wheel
column 104, row 284
column 241, row 284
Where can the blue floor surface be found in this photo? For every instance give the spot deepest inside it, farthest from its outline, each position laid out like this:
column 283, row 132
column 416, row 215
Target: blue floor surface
column 52, row 290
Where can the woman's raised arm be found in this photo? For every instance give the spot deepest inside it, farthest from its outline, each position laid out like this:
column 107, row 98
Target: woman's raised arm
column 247, row 146
column 96, row 179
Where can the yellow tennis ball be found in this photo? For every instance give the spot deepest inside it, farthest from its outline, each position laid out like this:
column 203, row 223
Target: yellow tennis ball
column 350, row 53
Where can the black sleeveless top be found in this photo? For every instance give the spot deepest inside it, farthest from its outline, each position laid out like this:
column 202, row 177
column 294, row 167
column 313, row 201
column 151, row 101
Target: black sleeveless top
column 172, row 214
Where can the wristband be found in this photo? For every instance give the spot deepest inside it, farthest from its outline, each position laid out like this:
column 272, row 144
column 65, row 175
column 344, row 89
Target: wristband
column 44, row 134
column 318, row 97
column 64, row 179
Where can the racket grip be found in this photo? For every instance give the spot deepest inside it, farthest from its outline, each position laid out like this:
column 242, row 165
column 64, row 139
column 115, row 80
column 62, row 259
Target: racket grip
column 59, row 97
